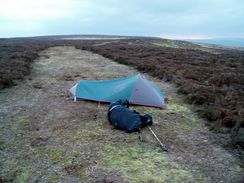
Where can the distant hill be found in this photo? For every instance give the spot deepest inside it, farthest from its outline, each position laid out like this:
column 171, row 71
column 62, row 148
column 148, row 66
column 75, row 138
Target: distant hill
column 236, row 42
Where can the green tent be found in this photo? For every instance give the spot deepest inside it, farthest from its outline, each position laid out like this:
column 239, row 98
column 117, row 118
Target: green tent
column 136, row 89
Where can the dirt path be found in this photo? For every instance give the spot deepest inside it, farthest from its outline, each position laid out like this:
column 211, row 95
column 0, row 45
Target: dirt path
column 47, row 138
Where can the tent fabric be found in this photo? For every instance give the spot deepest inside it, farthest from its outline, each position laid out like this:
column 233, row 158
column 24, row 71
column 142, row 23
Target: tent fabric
column 136, row 89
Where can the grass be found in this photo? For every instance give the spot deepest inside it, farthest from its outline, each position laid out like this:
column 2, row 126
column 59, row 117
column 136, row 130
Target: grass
column 90, row 131
column 53, row 178
column 14, row 168
column 24, row 175
column 54, row 156
column 166, row 43
column 74, row 141
column 141, row 163
column 136, row 162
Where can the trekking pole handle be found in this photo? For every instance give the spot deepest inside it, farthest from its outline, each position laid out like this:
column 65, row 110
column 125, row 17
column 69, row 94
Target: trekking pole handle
column 163, row 147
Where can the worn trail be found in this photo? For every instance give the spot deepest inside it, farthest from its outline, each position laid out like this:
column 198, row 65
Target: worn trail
column 46, row 138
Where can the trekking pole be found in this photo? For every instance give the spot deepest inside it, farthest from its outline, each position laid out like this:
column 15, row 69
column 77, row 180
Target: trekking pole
column 163, row 147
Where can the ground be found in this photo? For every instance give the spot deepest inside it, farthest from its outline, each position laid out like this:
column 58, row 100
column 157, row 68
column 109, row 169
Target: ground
column 212, row 79
column 47, row 138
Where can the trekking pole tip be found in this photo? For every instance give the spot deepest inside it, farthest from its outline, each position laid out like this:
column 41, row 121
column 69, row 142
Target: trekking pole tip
column 164, row 148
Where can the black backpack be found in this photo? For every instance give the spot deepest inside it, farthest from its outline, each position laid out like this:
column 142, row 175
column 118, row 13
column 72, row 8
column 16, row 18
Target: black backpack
column 125, row 119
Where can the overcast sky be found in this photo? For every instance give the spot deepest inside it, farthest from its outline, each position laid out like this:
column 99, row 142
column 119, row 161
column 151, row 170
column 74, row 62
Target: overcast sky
column 165, row 18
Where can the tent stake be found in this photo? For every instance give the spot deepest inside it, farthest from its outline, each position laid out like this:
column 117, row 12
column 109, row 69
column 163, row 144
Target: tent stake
column 163, row 147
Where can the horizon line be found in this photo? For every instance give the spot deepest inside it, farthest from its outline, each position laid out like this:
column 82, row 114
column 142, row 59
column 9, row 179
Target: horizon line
column 173, row 37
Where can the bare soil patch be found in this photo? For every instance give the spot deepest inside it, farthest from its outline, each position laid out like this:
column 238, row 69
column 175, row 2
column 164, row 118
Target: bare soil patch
column 47, row 138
